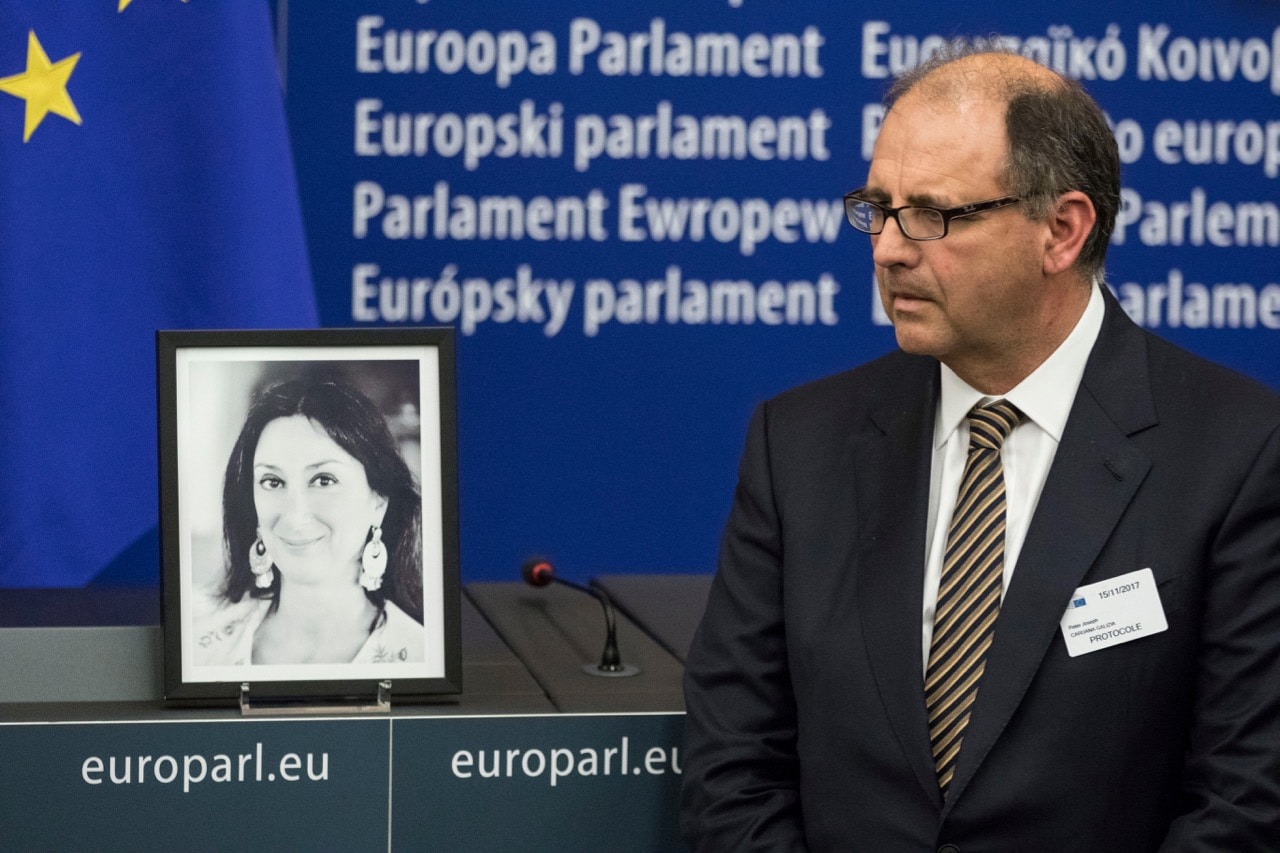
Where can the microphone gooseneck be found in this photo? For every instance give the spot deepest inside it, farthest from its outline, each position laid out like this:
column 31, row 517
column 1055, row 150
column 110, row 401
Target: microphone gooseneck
column 539, row 572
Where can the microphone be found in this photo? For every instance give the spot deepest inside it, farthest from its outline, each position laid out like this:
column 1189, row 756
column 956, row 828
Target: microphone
column 539, row 572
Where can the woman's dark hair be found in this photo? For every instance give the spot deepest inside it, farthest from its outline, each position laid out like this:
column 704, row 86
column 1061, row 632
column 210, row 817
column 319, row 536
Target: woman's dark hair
column 356, row 425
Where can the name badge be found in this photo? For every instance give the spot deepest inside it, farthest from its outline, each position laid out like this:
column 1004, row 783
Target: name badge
column 1111, row 612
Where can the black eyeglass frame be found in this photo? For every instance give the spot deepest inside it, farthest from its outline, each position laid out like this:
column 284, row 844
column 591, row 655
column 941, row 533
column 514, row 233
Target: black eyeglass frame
column 947, row 214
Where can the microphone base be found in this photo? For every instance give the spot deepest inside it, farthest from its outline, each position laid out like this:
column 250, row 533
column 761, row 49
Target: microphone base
column 626, row 671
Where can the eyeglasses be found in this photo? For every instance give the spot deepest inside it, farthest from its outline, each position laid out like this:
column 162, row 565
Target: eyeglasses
column 914, row 221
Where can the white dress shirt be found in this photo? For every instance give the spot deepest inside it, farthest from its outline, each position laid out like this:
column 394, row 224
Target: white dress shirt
column 1045, row 397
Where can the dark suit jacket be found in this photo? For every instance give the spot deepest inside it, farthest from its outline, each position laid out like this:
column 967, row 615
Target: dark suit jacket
column 806, row 723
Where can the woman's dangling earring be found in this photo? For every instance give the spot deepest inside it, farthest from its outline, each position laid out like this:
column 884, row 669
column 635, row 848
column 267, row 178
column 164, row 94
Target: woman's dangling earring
column 373, row 562
column 260, row 564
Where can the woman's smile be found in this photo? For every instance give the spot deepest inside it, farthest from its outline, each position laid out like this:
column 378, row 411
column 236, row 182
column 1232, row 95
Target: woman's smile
column 313, row 500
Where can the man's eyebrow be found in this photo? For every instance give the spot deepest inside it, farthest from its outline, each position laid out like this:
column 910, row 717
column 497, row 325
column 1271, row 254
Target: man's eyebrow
column 915, row 199
column 929, row 200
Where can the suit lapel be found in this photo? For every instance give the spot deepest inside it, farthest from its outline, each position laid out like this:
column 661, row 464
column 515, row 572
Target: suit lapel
column 892, row 471
column 1095, row 474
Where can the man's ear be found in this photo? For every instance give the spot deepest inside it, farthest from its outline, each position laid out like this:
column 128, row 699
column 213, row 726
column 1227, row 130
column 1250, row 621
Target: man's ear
column 1070, row 222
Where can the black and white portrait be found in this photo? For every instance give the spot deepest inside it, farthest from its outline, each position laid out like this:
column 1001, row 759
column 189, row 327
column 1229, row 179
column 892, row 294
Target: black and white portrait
column 310, row 519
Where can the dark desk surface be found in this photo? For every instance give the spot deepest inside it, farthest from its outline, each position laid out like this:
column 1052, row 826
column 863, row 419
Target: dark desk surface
column 97, row 652
column 556, row 632
column 91, row 606
column 105, row 660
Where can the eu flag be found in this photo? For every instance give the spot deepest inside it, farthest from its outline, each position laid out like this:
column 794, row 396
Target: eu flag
column 146, row 182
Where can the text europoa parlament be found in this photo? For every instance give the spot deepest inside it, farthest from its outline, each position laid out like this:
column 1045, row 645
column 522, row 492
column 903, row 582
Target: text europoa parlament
column 442, row 210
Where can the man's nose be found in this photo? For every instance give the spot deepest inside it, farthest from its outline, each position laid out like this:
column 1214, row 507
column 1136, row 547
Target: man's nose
column 892, row 248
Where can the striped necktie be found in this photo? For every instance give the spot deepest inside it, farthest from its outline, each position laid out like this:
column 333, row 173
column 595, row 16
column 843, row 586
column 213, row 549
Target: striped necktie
column 970, row 587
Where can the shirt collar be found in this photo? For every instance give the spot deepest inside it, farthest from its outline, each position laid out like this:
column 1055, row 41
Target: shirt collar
column 1045, row 396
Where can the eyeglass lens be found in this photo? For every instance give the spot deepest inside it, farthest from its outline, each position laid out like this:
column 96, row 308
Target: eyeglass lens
column 917, row 222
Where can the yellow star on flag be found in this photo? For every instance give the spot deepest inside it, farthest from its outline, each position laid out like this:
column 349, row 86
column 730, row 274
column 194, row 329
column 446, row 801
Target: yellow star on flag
column 43, row 86
column 124, row 3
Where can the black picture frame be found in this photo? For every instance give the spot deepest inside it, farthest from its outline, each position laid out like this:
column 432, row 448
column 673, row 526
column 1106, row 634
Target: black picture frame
column 211, row 387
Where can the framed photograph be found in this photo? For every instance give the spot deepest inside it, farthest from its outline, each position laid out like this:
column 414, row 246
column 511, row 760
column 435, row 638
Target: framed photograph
column 308, row 515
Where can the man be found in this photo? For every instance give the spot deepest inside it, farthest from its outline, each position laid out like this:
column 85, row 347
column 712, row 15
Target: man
column 874, row 674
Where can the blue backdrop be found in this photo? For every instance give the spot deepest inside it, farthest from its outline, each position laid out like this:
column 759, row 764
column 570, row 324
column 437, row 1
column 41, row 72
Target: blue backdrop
column 630, row 212
column 438, row 143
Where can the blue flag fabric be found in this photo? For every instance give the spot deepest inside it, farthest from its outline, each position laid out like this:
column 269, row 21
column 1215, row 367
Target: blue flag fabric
column 146, row 182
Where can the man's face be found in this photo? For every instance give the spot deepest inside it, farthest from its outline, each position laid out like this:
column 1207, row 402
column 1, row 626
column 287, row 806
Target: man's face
column 973, row 299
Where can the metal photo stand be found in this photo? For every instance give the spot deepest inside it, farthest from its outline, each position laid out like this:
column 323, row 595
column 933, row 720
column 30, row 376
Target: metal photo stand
column 275, row 706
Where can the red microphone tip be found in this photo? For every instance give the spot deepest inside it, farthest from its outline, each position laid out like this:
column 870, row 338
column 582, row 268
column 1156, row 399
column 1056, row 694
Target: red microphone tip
column 537, row 572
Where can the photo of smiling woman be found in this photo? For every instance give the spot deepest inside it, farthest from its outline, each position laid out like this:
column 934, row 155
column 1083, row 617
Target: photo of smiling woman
column 321, row 536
